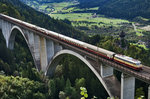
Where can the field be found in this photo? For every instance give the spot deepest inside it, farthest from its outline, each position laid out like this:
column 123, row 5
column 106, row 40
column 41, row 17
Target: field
column 140, row 45
column 86, row 19
column 139, row 32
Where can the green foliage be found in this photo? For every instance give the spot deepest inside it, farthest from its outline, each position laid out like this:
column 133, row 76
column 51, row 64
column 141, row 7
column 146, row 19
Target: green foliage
column 69, row 90
column 141, row 97
column 5, row 67
column 79, row 83
column 5, row 54
column 112, row 98
column 58, row 71
column 39, row 95
column 52, row 89
column 68, row 83
column 140, row 93
column 83, row 93
column 18, row 87
column 62, row 95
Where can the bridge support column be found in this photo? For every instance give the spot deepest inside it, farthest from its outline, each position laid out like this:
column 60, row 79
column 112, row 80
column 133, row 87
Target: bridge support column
column 50, row 49
column 149, row 92
column 127, row 86
column 106, row 71
column 37, row 51
column 57, row 47
column 11, row 41
column 0, row 24
column 43, row 54
column 31, row 40
column 6, row 28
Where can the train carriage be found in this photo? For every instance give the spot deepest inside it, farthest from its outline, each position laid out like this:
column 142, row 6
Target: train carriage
column 100, row 51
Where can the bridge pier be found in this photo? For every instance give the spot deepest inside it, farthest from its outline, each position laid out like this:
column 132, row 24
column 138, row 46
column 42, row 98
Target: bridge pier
column 11, row 41
column 31, row 41
column 36, row 51
column 0, row 24
column 43, row 54
column 57, row 47
column 6, row 29
column 50, row 49
column 106, row 71
column 111, row 82
column 127, row 86
column 149, row 92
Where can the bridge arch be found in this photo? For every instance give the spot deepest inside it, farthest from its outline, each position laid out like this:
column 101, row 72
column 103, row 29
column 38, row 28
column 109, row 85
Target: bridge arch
column 61, row 54
column 11, row 40
column 12, row 36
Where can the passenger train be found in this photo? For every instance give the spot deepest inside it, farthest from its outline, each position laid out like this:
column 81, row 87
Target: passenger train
column 118, row 58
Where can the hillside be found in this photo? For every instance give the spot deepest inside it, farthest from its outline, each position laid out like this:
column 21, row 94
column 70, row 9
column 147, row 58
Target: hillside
column 91, row 3
column 126, row 8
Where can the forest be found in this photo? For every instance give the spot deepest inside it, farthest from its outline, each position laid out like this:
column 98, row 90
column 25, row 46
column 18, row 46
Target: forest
column 126, row 8
column 20, row 79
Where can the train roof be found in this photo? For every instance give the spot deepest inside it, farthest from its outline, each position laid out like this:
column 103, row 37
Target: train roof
column 99, row 49
column 127, row 58
column 106, row 51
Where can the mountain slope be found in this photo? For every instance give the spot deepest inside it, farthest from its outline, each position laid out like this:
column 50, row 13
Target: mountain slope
column 126, row 8
column 91, row 3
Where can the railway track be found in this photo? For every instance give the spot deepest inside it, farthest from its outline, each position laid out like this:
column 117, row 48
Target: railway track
column 146, row 69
